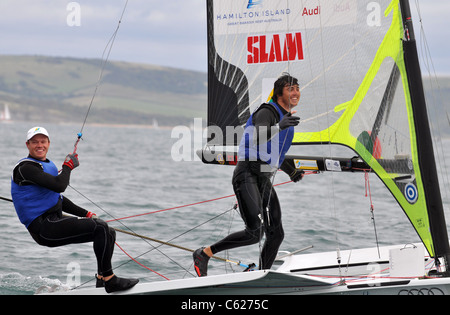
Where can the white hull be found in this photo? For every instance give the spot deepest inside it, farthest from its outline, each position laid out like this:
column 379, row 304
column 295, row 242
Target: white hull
column 363, row 273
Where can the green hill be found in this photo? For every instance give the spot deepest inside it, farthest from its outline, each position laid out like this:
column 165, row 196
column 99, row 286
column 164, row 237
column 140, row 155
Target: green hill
column 50, row 89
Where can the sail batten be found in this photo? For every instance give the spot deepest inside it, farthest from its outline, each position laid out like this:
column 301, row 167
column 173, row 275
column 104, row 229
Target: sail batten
column 349, row 57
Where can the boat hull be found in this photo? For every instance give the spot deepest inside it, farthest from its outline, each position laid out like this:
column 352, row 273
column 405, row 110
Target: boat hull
column 363, row 272
column 276, row 283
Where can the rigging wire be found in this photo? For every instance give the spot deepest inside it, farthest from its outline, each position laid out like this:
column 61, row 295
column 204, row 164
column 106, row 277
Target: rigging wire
column 169, row 242
column 331, row 196
column 147, row 239
column 140, row 264
column 427, row 61
column 172, row 239
column 125, row 226
column 107, row 51
column 372, row 208
column 331, row 199
column 278, row 159
column 105, row 58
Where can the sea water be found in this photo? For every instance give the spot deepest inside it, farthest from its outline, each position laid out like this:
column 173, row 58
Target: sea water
column 128, row 171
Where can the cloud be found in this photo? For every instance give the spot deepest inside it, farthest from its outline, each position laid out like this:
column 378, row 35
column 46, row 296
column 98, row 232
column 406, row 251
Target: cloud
column 171, row 33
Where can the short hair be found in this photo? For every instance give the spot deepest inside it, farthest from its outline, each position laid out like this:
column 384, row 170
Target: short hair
column 285, row 80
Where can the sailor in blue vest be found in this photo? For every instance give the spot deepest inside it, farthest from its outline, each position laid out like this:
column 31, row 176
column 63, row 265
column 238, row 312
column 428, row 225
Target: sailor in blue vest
column 267, row 137
column 36, row 189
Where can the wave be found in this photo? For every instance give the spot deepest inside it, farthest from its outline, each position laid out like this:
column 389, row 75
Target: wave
column 17, row 284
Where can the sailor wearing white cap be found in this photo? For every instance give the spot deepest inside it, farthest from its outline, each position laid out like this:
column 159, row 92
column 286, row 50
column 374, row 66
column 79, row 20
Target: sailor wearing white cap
column 36, row 187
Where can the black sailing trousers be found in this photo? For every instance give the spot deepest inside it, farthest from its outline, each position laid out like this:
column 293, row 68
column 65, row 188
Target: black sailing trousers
column 255, row 194
column 53, row 230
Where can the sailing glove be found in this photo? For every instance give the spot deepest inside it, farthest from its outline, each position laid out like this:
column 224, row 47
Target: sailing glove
column 297, row 175
column 72, row 161
column 91, row 215
column 288, row 121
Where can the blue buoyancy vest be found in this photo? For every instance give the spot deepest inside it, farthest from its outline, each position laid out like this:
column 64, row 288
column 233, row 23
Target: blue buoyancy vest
column 273, row 151
column 31, row 200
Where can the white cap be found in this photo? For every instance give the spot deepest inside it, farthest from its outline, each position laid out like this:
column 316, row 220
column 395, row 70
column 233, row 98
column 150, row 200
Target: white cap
column 37, row 131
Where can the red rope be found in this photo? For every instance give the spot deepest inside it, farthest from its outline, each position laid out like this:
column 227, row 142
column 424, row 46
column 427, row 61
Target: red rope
column 168, row 209
column 140, row 263
column 173, row 208
column 368, row 190
column 184, row 206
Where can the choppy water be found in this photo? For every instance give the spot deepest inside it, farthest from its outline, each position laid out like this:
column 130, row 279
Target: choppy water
column 129, row 171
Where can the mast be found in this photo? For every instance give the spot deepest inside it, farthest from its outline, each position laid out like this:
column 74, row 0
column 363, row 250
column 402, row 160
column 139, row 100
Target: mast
column 427, row 160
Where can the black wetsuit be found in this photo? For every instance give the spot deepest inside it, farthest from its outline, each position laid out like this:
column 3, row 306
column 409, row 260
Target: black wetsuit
column 255, row 193
column 52, row 229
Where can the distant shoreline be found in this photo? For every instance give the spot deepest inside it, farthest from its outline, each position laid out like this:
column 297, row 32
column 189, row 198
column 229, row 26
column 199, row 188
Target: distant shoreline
column 112, row 125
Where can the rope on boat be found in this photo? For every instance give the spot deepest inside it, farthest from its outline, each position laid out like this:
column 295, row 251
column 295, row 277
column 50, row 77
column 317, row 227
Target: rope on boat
column 159, row 241
column 137, row 262
column 182, row 206
column 178, row 246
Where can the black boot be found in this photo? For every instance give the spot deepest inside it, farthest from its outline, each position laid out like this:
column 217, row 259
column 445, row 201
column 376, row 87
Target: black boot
column 201, row 262
column 116, row 284
column 100, row 283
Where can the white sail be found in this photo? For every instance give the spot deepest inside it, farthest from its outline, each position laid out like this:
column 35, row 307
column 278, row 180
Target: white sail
column 7, row 114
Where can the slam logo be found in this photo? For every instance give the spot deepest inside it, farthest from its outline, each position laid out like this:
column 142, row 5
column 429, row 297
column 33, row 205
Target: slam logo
column 274, row 48
column 254, row 3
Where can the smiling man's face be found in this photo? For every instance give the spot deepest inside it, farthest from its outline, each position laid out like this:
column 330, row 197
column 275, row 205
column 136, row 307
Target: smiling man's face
column 290, row 97
column 38, row 147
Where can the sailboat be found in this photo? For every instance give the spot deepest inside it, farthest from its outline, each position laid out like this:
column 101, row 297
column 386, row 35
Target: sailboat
column 5, row 115
column 362, row 88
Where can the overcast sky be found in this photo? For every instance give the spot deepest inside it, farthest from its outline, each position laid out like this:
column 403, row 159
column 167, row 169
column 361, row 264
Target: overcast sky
column 162, row 32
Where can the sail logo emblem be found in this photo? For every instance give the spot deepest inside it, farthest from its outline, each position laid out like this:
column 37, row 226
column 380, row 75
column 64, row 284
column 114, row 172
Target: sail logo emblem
column 254, row 3
column 411, row 193
column 274, row 48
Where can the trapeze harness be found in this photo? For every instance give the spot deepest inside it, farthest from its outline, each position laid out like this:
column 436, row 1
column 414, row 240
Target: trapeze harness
column 254, row 191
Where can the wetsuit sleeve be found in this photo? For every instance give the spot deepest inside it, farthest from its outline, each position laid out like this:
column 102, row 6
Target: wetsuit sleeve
column 33, row 172
column 264, row 121
column 71, row 208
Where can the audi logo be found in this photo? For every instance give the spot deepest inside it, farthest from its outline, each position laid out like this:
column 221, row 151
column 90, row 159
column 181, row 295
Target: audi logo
column 424, row 291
